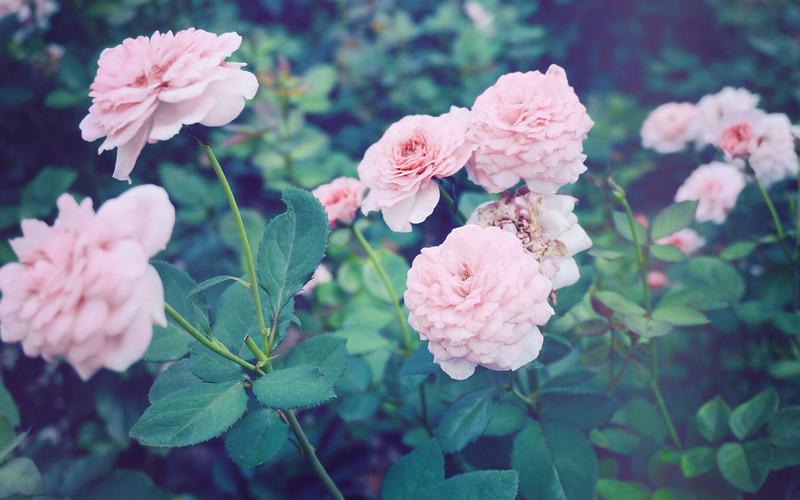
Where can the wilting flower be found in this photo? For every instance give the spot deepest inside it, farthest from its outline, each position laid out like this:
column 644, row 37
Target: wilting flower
column 83, row 288
column 686, row 240
column 321, row 275
column 478, row 298
column 713, row 109
column 666, row 128
column 341, row 198
column 146, row 89
column 546, row 226
column 656, row 279
column 400, row 168
column 715, row 186
column 528, row 126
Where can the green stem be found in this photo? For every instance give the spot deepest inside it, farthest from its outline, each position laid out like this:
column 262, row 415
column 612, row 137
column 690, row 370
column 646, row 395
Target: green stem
column 263, row 358
column 408, row 341
column 452, row 204
column 311, row 454
column 613, row 382
column 640, row 259
column 660, row 399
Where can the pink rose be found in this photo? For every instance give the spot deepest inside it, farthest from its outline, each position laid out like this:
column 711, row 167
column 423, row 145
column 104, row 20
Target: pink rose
column 146, row 89
column 656, row 279
column 712, row 111
column 773, row 156
column 528, row 126
column 715, row 186
column 399, row 169
column 83, row 288
column 478, row 298
column 686, row 240
column 666, row 128
column 341, row 198
column 641, row 219
column 736, row 140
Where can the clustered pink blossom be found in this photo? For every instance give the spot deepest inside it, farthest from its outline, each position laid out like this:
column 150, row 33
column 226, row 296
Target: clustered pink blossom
column 715, row 186
column 666, row 129
column 772, row 155
column 341, row 199
column 686, row 240
column 146, row 89
column 478, row 298
column 546, row 226
column 83, row 288
column 400, row 168
column 713, row 109
column 528, row 126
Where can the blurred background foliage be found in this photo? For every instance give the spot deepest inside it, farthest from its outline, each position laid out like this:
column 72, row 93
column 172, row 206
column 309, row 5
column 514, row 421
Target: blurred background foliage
column 334, row 74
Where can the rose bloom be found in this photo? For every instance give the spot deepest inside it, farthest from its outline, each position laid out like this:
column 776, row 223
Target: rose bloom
column 400, row 168
column 546, row 226
column 666, row 128
column 686, row 240
column 321, row 275
column 341, row 198
column 83, row 288
column 482, row 19
column 528, row 126
column 656, row 279
column 478, row 298
column 713, row 109
column 773, row 156
column 146, row 89
column 715, row 186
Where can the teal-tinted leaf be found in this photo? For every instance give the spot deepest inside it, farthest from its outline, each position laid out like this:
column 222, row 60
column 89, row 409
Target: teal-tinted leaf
column 554, row 348
column 673, row 218
column 11, row 445
column 178, row 376
column 506, row 419
column 396, row 269
column 720, row 280
column 465, row 420
column 750, row 416
column 168, row 344
column 208, row 366
column 647, row 327
column 326, row 352
column 697, row 461
column 622, row 225
column 254, row 225
column 216, row 280
column 256, row 438
column 619, row 441
column 363, row 341
column 480, row 485
column 605, row 253
column 184, row 185
column 788, row 322
column 746, row 466
column 19, row 476
column 738, row 250
column 584, row 408
column 784, row 428
column 124, row 484
column 413, row 476
column 40, row 195
column 295, row 387
column 419, row 363
column 590, row 328
column 619, row 304
column 177, row 285
column 612, row 489
column 292, row 247
column 235, row 318
column 554, row 461
column 191, row 415
column 8, row 408
column 784, row 457
column 712, row 419
column 355, row 407
column 666, row 253
column 679, row 315
column 569, row 297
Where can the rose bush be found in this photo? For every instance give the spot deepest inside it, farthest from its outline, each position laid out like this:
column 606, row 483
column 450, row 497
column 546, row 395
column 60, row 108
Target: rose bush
column 582, row 282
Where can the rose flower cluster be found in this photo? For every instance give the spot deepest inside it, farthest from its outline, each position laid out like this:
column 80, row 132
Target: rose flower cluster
column 480, row 297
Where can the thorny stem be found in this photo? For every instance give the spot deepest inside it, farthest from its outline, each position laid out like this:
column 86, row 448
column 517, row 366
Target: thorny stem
column 310, row 453
column 263, row 358
column 408, row 342
column 452, row 204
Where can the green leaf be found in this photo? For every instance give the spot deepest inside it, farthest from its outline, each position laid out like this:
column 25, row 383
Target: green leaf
column 680, row 315
column 178, row 376
column 554, row 348
column 216, row 280
column 623, row 227
column 506, row 419
column 554, row 461
column 788, row 322
column 419, row 363
column 184, row 185
column 355, row 407
column 8, row 408
column 177, row 285
column 168, row 344
column 784, row 428
column 19, row 476
column 647, row 327
column 720, row 280
column 697, row 461
column 292, row 247
column 570, row 296
column 465, row 420
column 11, row 445
column 295, row 387
column 396, row 269
column 751, row 415
column 40, row 195
column 413, row 476
column 208, row 366
column 480, row 485
column 673, row 218
column 619, row 304
column 191, row 415
column 673, row 494
column 738, row 250
column 712, row 419
column 746, row 466
column 326, row 352
column 256, row 438
column 126, row 485
column 363, row 341
column 666, row 253
column 784, row 457
column 235, row 317
column 611, row 489
column 585, row 408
